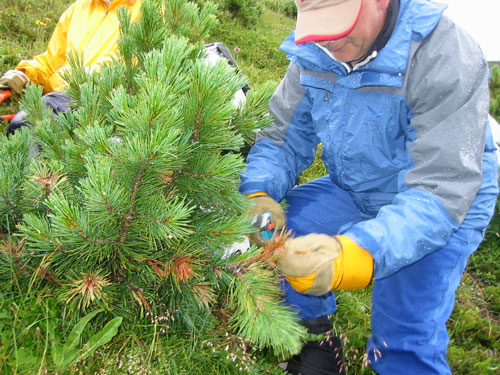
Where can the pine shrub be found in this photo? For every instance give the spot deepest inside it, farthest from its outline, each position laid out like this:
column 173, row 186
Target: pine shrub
column 286, row 7
column 248, row 11
column 118, row 213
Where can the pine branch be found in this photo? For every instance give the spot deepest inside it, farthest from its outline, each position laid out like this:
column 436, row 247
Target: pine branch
column 259, row 317
column 15, row 156
column 133, row 197
column 254, row 114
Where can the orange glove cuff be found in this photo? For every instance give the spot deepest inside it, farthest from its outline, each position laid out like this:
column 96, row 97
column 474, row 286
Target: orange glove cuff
column 353, row 269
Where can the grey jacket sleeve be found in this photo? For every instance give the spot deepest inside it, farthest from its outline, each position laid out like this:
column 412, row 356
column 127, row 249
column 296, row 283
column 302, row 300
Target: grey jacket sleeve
column 447, row 93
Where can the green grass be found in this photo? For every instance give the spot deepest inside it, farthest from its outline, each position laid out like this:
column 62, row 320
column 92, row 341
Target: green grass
column 26, row 27
column 474, row 326
column 256, row 48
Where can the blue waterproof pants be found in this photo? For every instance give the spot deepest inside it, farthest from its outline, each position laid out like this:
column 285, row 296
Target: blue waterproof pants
column 409, row 308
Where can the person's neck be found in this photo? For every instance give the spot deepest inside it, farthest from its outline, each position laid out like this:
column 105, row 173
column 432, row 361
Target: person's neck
column 386, row 28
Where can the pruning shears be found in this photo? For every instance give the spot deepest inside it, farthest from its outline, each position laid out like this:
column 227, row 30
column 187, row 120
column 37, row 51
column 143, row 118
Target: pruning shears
column 5, row 95
column 266, row 230
column 264, row 224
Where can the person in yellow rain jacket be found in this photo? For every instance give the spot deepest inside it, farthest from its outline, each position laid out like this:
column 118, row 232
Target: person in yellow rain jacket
column 89, row 28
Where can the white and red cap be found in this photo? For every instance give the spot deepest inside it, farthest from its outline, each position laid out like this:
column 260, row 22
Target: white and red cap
column 319, row 20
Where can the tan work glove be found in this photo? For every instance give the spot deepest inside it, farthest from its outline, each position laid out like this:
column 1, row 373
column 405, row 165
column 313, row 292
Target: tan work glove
column 264, row 203
column 318, row 263
column 15, row 80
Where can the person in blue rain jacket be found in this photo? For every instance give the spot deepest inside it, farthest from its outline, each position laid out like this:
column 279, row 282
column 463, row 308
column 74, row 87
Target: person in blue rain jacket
column 397, row 95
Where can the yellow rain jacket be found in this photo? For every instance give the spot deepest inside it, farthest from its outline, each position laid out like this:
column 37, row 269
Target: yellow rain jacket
column 90, row 27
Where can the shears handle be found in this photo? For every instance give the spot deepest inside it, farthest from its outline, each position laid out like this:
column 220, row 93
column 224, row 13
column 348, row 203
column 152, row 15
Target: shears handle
column 7, row 118
column 5, row 95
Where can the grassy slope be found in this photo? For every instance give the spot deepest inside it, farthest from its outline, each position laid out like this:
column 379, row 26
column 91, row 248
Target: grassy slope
column 25, row 29
column 474, row 327
column 256, row 48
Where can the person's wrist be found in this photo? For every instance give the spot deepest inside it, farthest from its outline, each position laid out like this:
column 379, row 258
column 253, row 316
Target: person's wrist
column 354, row 267
column 257, row 194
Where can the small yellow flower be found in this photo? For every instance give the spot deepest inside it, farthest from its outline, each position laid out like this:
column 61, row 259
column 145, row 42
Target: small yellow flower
column 40, row 23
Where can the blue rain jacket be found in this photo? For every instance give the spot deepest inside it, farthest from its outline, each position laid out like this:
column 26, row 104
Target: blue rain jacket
column 407, row 135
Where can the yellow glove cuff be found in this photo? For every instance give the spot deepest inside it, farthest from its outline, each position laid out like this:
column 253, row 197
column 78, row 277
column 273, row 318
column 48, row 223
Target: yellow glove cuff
column 302, row 284
column 257, row 194
column 353, row 269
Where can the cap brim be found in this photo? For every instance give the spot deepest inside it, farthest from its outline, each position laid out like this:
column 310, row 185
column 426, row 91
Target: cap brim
column 327, row 23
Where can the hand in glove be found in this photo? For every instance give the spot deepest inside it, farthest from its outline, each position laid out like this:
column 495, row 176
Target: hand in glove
column 15, row 80
column 318, row 263
column 264, row 203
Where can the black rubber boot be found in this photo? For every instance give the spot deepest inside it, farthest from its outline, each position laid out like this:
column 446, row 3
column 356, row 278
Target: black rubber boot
column 324, row 357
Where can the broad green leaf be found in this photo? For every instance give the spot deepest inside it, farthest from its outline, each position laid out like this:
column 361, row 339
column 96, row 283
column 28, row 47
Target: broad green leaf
column 102, row 337
column 76, row 332
column 70, row 357
column 56, row 354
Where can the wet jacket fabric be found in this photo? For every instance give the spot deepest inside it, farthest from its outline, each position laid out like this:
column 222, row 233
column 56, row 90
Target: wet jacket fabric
column 407, row 135
column 89, row 27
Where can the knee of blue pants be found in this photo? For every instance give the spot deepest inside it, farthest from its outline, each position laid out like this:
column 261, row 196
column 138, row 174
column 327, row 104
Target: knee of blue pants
column 317, row 207
column 308, row 306
column 18, row 121
column 410, row 309
column 320, row 206
column 57, row 101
